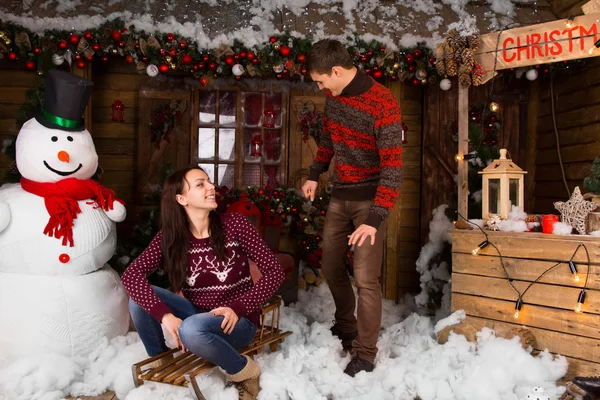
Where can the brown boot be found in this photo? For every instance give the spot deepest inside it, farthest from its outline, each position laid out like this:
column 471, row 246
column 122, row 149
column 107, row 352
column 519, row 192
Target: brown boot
column 246, row 381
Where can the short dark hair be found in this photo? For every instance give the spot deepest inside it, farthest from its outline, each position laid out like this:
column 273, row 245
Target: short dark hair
column 326, row 54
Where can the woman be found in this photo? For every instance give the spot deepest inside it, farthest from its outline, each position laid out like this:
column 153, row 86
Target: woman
column 214, row 306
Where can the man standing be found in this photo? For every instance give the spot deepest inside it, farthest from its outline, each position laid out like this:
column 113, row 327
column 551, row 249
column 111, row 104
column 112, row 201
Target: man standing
column 362, row 128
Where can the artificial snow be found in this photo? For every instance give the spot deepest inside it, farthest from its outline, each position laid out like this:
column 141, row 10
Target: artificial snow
column 310, row 364
column 560, row 228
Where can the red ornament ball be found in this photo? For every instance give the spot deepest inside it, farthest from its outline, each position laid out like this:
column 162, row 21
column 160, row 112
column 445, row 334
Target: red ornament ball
column 285, row 51
column 62, row 44
column 81, row 64
column 30, row 65
column 212, row 66
column 294, row 210
column 394, row 77
column 170, row 37
column 250, row 56
column 546, row 70
column 116, row 35
column 415, row 81
column 417, row 53
column 273, row 39
column 409, row 58
column 205, row 57
column 301, row 58
column 378, row 74
column 255, row 61
column 368, row 71
column 238, row 78
column 370, row 52
column 124, row 30
column 173, row 51
column 432, row 60
column 323, row 212
column 90, row 58
column 129, row 59
column 105, row 59
column 36, row 50
column 87, row 35
column 121, row 44
column 382, row 49
column 364, row 59
column 261, row 192
column 73, row 38
column 163, row 68
column 161, row 52
column 187, row 59
column 203, row 81
column 303, row 70
column 279, row 76
column 12, row 55
column 182, row 44
column 201, row 65
column 229, row 60
column 96, row 47
column 243, row 54
column 412, row 68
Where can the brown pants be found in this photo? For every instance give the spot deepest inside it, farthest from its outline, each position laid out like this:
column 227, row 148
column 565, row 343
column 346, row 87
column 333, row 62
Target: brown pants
column 341, row 220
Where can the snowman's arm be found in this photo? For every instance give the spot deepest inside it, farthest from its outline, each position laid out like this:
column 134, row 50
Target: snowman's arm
column 118, row 213
column 4, row 215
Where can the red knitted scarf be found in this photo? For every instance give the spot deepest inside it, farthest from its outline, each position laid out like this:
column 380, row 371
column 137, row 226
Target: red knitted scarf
column 61, row 202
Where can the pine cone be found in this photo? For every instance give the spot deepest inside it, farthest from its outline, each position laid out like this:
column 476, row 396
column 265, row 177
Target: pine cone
column 440, row 65
column 474, row 42
column 477, row 79
column 451, row 67
column 464, row 80
column 468, row 58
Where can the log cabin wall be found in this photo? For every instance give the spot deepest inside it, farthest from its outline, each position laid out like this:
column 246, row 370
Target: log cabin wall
column 577, row 114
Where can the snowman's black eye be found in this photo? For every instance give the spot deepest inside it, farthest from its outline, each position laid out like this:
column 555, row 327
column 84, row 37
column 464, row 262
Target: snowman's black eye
column 54, row 139
column 70, row 138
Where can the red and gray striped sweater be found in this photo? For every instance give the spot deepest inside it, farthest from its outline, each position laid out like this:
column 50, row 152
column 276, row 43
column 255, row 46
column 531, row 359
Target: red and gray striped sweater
column 362, row 127
column 210, row 282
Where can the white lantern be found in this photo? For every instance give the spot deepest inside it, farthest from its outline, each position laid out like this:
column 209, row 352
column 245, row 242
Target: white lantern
column 503, row 183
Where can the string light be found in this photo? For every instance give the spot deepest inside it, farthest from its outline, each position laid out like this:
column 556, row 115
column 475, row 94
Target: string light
column 596, row 45
column 574, row 271
column 481, row 245
column 580, row 301
column 570, row 21
column 494, row 107
column 460, row 157
column 518, row 306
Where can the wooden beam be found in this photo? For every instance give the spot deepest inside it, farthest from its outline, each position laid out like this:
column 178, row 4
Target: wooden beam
column 463, row 148
column 591, row 7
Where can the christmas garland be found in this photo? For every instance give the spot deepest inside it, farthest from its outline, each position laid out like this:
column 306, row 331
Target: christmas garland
column 282, row 57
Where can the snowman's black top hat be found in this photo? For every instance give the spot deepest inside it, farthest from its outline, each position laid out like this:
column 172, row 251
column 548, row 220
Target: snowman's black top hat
column 65, row 99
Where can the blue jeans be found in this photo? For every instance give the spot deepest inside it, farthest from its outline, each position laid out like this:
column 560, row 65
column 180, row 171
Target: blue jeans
column 200, row 332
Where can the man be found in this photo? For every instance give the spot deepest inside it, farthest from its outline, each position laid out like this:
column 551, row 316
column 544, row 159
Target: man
column 362, row 128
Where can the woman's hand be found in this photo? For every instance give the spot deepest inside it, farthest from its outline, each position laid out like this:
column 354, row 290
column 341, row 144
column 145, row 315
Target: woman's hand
column 230, row 319
column 171, row 324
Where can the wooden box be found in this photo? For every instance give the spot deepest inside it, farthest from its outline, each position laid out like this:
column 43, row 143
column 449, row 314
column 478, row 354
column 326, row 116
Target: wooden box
column 482, row 289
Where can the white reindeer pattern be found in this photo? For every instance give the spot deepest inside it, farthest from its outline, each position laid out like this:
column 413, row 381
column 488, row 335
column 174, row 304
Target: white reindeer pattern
column 221, row 275
column 191, row 280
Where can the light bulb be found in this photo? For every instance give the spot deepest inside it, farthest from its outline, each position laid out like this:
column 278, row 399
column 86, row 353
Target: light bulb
column 580, row 301
column 569, row 22
column 494, row 106
column 459, row 157
column 518, row 306
column 481, row 245
column 573, row 269
column 475, row 251
column 577, row 279
column 578, row 307
column 516, row 315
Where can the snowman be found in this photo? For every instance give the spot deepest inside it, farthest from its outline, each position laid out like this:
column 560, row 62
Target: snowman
column 57, row 231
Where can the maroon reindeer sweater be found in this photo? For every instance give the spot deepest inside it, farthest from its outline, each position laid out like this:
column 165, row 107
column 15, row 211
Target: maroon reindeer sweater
column 210, row 282
column 362, row 127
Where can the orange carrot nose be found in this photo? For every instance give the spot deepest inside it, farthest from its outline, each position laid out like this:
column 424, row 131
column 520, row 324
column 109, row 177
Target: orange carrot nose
column 63, row 156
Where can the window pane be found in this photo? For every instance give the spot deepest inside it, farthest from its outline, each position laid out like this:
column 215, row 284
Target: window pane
column 209, row 169
column 227, row 105
column 206, row 143
column 273, row 104
column 272, row 145
column 271, row 176
column 252, row 109
column 207, row 106
column 513, row 192
column 226, row 175
column 494, row 196
column 251, row 175
column 226, row 144
column 249, row 148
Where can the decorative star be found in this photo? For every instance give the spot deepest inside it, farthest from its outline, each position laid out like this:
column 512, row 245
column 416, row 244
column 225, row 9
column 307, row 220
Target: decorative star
column 575, row 211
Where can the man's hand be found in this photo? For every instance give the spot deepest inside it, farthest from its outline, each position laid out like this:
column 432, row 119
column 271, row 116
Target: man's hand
column 309, row 189
column 230, row 319
column 171, row 324
column 361, row 233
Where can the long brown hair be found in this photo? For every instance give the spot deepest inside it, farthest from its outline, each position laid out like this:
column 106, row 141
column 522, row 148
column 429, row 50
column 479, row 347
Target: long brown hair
column 175, row 230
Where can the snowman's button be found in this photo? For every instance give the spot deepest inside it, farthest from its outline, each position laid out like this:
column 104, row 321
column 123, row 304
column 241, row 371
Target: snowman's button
column 64, row 258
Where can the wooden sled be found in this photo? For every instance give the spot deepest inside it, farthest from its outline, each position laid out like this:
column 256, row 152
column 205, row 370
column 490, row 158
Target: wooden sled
column 181, row 369
column 574, row 392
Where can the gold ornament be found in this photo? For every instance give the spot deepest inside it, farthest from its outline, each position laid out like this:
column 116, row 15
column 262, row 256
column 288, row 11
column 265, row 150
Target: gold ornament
column 396, row 66
column 115, row 51
column 276, row 45
column 168, row 59
column 173, row 66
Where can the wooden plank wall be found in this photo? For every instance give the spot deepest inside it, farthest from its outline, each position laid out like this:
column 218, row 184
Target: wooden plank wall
column 577, row 114
column 15, row 83
column 481, row 289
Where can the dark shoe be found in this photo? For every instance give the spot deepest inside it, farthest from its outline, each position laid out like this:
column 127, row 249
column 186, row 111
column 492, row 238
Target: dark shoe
column 345, row 337
column 590, row 384
column 357, row 365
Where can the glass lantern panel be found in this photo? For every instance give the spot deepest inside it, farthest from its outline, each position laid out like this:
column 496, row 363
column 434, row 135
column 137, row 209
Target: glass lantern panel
column 252, row 109
column 494, row 196
column 208, row 106
column 251, row 175
column 209, row 169
column 513, row 192
column 226, row 175
column 226, row 144
column 206, row 143
column 227, row 111
column 271, row 176
column 273, row 103
column 249, row 135
column 272, row 145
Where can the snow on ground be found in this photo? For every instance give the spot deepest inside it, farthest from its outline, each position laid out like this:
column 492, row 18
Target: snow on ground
column 310, row 365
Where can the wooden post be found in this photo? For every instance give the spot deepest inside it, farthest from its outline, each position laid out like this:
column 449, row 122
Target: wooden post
column 463, row 148
column 533, row 108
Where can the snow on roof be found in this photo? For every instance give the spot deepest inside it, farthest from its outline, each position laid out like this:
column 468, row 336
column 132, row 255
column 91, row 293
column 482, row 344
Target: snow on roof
column 400, row 23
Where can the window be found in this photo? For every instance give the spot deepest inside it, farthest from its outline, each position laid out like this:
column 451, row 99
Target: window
column 241, row 137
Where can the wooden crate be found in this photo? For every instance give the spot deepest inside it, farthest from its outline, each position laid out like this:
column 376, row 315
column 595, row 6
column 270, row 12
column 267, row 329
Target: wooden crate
column 481, row 288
